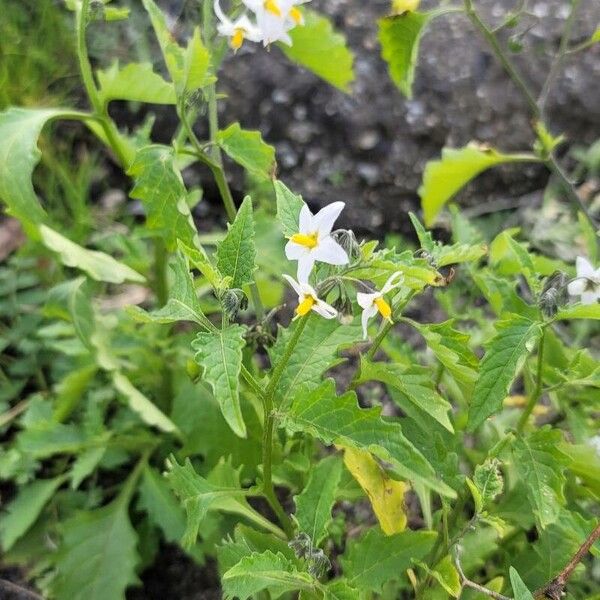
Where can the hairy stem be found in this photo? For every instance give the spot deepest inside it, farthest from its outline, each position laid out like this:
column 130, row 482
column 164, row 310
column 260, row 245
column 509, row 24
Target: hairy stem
column 537, row 390
column 466, row 582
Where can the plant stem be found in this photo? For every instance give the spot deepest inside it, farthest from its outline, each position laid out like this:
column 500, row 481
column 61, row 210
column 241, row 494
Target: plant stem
column 475, row 586
column 269, row 425
column 537, row 390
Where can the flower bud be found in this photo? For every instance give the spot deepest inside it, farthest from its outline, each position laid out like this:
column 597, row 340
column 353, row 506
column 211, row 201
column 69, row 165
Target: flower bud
column 233, row 301
column 347, row 240
column 554, row 293
column 96, row 11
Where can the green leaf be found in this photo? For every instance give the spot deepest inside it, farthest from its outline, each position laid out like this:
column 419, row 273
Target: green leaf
column 173, row 54
column 46, row 438
column 445, row 574
column 400, row 37
column 314, row 503
column 97, row 265
column 374, row 559
column 248, row 149
column 319, row 48
column 451, row 348
column 340, row 421
column 236, row 254
column 220, row 355
column 540, row 464
column 413, row 384
column 263, row 571
column 596, row 35
column 85, row 464
column 141, row 405
column 183, row 303
column 22, row 512
column 115, row 13
column 315, row 352
column 201, row 261
column 97, row 557
column 288, row 208
column 520, row 590
column 160, row 188
column 444, row 178
column 136, row 82
column 505, row 355
column 339, row 589
column 19, row 154
column 197, row 67
column 488, row 480
column 199, row 495
column 579, row 311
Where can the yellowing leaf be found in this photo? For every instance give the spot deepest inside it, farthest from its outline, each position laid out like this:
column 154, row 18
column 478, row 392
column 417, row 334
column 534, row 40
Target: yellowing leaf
column 386, row 495
column 402, row 6
column 444, row 178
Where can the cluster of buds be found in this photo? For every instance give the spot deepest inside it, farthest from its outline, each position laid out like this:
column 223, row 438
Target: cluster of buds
column 272, row 21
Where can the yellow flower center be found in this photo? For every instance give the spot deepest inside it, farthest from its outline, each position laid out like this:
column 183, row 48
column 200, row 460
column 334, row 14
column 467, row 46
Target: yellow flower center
column 383, row 307
column 272, row 7
column 296, row 15
column 309, row 240
column 305, row 305
column 237, row 39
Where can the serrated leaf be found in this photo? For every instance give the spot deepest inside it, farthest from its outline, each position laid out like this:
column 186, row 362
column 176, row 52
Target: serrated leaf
column 46, row 438
column 340, row 421
column 322, row 50
column 263, row 571
column 288, row 208
column 540, row 464
column 520, row 590
column 339, row 589
column 579, row 311
column 488, row 480
column 315, row 352
column 197, row 67
column 236, row 254
column 141, row 405
column 199, row 495
column 385, row 494
column 220, row 355
column 136, row 82
column 85, row 464
column 97, row 557
column 248, row 149
column 413, row 384
column 97, row 265
column 201, row 261
column 374, row 559
column 505, row 355
column 160, row 188
column 20, row 129
column 314, row 503
column 183, row 303
column 22, row 512
column 400, row 37
column 173, row 54
column 443, row 178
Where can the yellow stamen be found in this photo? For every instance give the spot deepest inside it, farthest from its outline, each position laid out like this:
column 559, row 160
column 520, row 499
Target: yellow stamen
column 237, row 39
column 309, row 240
column 296, row 15
column 305, row 305
column 272, row 7
column 383, row 307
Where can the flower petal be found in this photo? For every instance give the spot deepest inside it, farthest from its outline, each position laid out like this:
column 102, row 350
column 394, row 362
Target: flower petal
column 294, row 251
column 590, row 297
column 330, row 252
column 577, row 287
column 326, row 217
column 305, row 265
column 325, row 310
column 297, row 287
column 366, row 300
column 584, row 267
column 305, row 220
column 366, row 315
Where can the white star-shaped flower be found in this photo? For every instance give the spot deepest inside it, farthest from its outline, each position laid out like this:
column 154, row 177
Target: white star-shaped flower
column 587, row 282
column 275, row 18
column 313, row 242
column 308, row 300
column 237, row 31
column 374, row 302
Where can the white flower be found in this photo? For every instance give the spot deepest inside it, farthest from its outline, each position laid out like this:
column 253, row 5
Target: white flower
column 308, row 300
column 587, row 283
column 237, row 31
column 275, row 18
column 313, row 242
column 374, row 302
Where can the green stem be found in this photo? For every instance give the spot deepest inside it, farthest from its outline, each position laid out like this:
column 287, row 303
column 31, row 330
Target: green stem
column 269, row 426
column 537, row 390
column 129, row 485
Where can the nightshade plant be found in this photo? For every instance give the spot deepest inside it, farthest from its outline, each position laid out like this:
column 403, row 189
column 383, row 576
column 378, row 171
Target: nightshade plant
column 195, row 421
